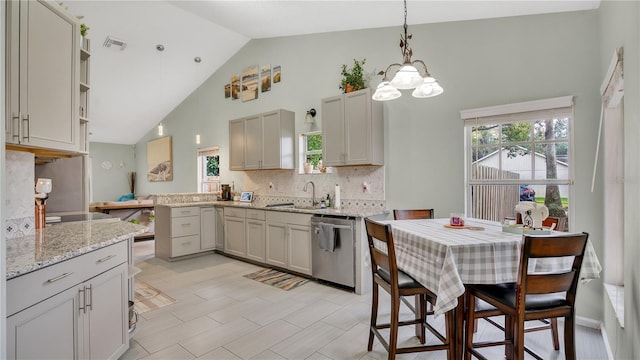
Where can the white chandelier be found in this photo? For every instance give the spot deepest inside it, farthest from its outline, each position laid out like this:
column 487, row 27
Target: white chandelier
column 407, row 76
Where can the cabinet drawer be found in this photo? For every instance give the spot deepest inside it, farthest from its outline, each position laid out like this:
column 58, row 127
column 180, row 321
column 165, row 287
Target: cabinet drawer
column 235, row 212
column 185, row 245
column 184, row 226
column 289, row 218
column 185, row 211
column 31, row 288
column 255, row 214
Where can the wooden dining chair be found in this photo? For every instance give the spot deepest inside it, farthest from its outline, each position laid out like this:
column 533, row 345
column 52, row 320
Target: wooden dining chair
column 386, row 275
column 400, row 214
column 414, row 214
column 557, row 223
column 534, row 296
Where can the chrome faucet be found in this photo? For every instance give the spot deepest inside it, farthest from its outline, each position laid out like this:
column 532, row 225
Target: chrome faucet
column 313, row 192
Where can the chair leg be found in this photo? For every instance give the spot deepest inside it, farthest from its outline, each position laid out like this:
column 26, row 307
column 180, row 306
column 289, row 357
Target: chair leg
column 450, row 324
column 374, row 315
column 470, row 304
column 518, row 337
column 421, row 313
column 509, row 329
column 393, row 328
column 569, row 337
column 554, row 333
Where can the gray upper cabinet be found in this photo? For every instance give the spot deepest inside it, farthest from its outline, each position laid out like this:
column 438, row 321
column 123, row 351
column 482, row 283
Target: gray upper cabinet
column 43, row 76
column 236, row 144
column 352, row 128
column 263, row 141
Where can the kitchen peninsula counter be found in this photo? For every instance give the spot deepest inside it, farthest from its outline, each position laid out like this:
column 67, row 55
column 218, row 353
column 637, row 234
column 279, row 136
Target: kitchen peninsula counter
column 352, row 211
column 57, row 243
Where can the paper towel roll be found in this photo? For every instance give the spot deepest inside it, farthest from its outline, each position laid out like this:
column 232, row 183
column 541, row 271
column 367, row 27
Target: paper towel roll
column 336, row 202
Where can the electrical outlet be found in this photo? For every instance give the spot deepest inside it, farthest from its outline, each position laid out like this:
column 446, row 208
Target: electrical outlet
column 196, row 198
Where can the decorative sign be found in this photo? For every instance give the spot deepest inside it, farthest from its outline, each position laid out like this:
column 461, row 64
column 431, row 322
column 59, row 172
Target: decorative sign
column 159, row 161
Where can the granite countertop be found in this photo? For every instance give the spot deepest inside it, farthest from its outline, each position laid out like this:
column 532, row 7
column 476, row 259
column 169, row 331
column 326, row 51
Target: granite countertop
column 344, row 211
column 57, row 243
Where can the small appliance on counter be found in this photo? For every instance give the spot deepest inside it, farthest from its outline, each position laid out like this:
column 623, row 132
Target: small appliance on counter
column 226, row 193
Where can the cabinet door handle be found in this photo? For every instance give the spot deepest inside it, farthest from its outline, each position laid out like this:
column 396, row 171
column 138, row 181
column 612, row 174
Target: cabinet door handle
column 27, row 119
column 186, row 224
column 15, row 126
column 61, row 276
column 106, row 258
column 83, row 300
column 89, row 304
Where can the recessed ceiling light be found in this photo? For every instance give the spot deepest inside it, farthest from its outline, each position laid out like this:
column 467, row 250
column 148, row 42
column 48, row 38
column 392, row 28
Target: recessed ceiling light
column 160, row 47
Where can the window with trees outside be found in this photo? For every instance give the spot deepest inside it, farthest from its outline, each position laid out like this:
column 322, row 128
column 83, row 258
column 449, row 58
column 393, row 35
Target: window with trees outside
column 519, row 152
column 209, row 170
column 311, row 151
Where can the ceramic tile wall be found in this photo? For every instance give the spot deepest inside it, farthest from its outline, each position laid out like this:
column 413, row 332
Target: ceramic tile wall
column 288, row 183
column 19, row 200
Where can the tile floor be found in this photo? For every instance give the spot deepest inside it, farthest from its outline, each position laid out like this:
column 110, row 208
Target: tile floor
column 219, row 314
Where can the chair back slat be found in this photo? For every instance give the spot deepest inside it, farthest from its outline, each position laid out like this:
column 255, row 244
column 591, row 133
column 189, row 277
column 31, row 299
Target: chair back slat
column 549, row 283
column 556, row 246
column 400, row 214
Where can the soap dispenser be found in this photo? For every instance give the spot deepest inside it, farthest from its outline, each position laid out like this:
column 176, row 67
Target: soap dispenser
column 328, row 201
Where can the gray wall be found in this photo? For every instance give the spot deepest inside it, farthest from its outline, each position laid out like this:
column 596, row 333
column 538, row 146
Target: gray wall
column 479, row 63
column 109, row 185
column 619, row 27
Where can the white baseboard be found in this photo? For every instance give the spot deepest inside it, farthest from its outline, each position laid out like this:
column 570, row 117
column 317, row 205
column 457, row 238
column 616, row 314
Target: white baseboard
column 588, row 322
column 606, row 344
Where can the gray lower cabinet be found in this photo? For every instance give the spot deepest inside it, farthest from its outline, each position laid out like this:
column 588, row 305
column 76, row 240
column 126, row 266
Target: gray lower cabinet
column 255, row 234
column 288, row 241
column 181, row 231
column 208, row 228
column 220, row 228
column 234, row 232
column 276, row 249
column 276, row 238
column 76, row 309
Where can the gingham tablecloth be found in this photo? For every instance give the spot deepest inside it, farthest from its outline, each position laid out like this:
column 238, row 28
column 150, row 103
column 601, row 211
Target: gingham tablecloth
column 444, row 259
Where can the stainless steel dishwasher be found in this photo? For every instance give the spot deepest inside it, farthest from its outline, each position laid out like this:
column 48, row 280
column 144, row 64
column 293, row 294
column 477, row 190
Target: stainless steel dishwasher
column 336, row 263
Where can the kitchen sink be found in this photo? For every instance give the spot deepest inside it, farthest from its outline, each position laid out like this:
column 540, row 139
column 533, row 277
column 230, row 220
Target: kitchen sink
column 297, row 207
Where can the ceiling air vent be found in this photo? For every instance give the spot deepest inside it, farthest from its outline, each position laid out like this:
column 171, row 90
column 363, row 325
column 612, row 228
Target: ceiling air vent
column 111, row 41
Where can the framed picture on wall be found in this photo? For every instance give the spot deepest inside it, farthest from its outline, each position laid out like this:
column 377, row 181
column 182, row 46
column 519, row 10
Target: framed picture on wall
column 249, row 84
column 276, row 74
column 227, row 91
column 235, row 87
column 265, row 78
column 159, row 160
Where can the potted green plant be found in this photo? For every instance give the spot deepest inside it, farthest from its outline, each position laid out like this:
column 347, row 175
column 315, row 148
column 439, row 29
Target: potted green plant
column 353, row 78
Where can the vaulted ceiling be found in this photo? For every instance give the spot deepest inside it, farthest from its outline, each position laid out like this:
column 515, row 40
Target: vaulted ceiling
column 135, row 87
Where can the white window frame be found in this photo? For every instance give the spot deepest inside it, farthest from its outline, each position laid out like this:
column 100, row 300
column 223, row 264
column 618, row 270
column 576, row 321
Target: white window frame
column 612, row 122
column 303, row 150
column 518, row 112
column 213, row 180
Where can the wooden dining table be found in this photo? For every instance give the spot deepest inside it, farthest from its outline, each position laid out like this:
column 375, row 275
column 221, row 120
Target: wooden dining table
column 443, row 259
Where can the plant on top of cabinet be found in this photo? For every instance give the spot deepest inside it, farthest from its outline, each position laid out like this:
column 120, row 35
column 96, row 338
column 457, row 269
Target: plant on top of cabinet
column 353, row 78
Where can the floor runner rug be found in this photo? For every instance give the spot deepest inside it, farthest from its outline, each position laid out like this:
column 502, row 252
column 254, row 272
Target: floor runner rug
column 149, row 298
column 276, row 278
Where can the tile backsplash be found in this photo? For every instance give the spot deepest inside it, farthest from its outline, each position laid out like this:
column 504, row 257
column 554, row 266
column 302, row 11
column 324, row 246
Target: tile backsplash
column 287, row 186
column 18, row 195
